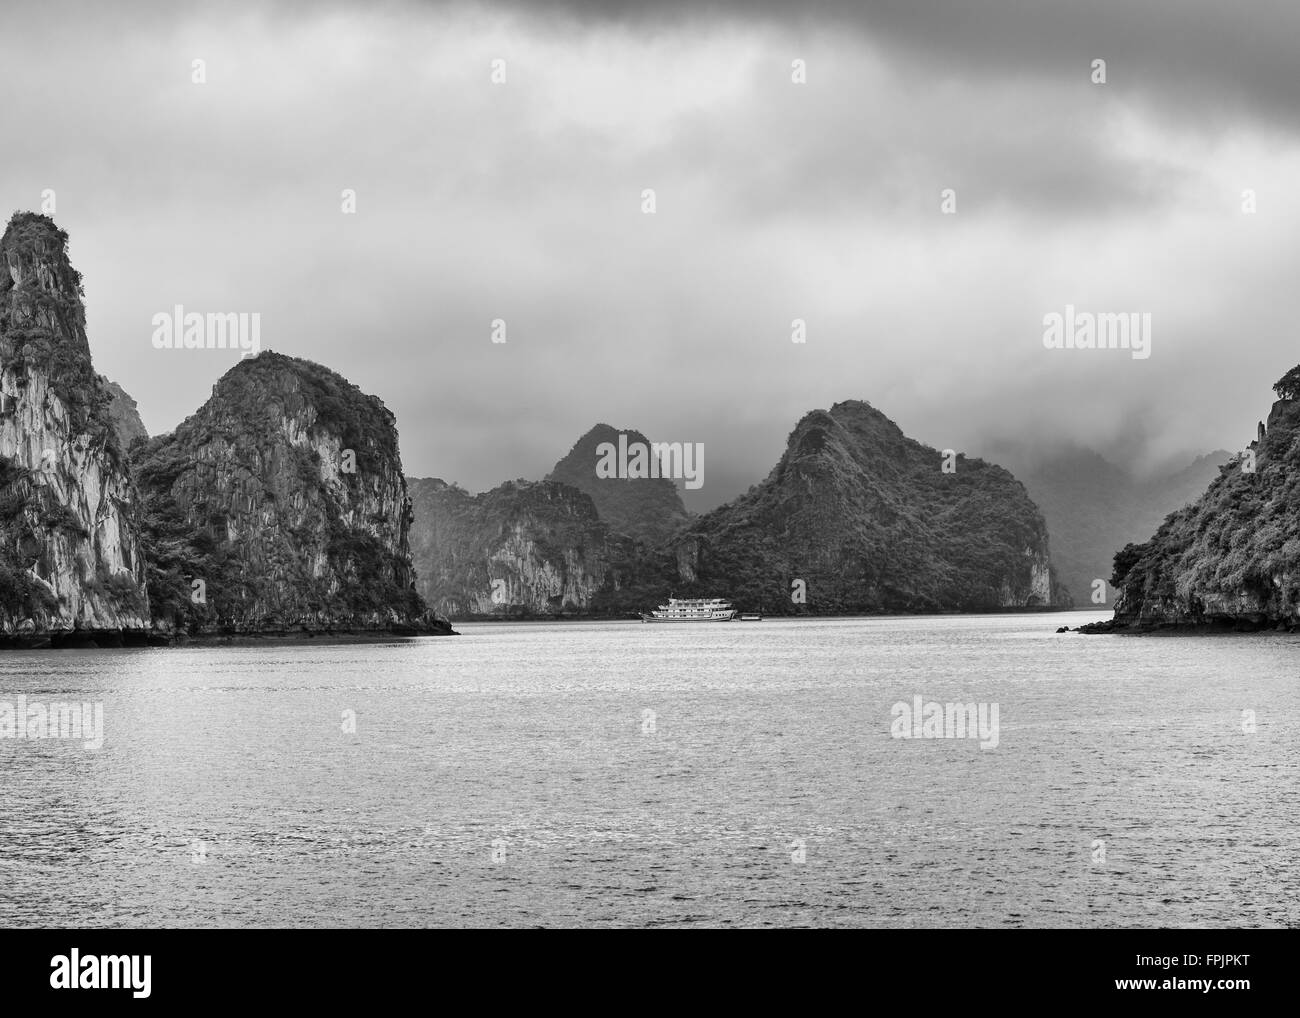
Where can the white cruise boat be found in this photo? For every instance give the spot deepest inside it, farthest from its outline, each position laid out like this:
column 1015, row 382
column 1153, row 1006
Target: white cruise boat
column 710, row 609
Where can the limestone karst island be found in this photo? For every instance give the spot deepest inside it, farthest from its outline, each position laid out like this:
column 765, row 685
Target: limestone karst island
column 279, row 508
column 244, row 521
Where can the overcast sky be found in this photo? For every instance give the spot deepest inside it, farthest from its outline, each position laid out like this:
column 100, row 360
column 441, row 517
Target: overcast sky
column 774, row 201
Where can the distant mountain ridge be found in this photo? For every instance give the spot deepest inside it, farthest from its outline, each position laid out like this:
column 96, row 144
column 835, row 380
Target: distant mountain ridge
column 646, row 508
column 866, row 520
column 530, row 547
column 575, row 543
column 1093, row 507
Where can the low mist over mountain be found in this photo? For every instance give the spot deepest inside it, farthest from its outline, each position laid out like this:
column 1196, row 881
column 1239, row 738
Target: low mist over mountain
column 1093, row 508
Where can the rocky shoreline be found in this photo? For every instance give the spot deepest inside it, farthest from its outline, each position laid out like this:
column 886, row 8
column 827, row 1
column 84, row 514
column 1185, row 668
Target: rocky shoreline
column 1225, row 563
column 1224, row 626
column 112, row 639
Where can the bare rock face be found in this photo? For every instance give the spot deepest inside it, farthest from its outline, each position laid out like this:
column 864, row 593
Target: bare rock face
column 529, row 548
column 280, row 505
column 70, row 550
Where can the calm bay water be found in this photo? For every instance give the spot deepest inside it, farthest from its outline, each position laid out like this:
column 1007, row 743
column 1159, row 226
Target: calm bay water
column 627, row 774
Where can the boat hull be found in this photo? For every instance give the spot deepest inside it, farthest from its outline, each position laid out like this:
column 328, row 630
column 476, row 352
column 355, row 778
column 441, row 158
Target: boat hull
column 717, row 617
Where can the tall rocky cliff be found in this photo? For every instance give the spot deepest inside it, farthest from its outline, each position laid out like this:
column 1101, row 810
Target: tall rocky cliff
column 1232, row 558
column 868, row 521
column 70, row 550
column 575, row 543
column 646, row 508
column 523, row 548
column 280, row 505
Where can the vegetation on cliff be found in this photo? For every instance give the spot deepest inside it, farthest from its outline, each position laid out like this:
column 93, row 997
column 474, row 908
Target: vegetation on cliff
column 1234, row 555
column 869, row 521
column 280, row 504
column 43, row 323
column 865, row 517
column 69, row 551
column 645, row 508
column 124, row 415
column 21, row 597
column 283, row 495
column 523, row 548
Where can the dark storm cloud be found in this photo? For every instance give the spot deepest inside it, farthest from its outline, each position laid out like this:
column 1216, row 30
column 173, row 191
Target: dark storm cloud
column 1200, row 58
column 833, row 159
column 819, row 202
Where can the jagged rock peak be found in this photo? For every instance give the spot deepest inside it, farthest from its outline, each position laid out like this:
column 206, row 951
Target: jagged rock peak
column 646, row 508
column 33, row 245
column 284, row 495
column 870, row 520
column 42, row 311
column 124, row 413
column 70, row 558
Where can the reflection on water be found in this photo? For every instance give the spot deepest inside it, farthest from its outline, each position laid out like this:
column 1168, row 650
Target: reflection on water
column 735, row 774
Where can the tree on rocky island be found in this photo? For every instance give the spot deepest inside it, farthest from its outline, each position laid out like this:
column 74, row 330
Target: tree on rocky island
column 1288, row 386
